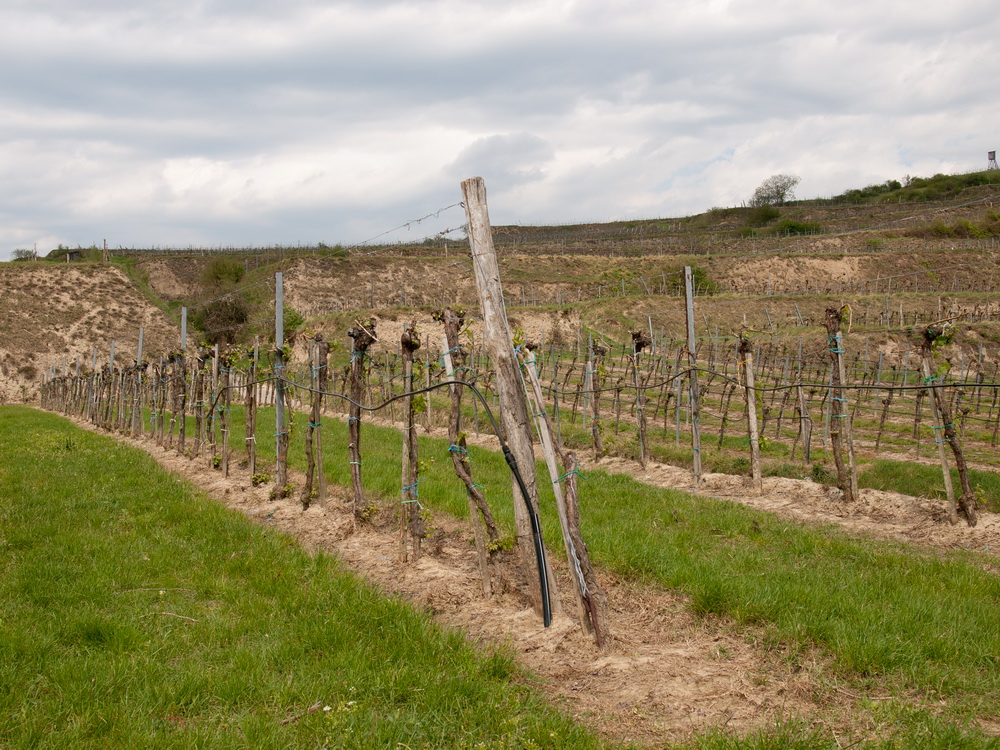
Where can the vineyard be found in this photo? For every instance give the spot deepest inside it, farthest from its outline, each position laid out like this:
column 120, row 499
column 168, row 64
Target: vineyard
column 390, row 402
column 631, row 400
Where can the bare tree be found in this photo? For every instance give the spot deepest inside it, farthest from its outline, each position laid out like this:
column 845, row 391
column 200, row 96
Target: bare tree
column 776, row 190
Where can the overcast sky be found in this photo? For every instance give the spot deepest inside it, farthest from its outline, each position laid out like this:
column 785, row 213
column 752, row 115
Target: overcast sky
column 245, row 122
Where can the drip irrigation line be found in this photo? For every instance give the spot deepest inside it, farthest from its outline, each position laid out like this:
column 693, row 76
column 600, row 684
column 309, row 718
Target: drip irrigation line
column 536, row 526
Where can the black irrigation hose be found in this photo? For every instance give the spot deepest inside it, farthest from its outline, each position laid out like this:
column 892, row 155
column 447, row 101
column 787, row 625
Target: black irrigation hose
column 536, row 526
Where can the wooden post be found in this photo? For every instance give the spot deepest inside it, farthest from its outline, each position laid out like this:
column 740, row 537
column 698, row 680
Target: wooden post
column 484, row 527
column 363, row 336
column 640, row 341
column 322, row 361
column 510, row 391
column 251, row 409
column 745, row 350
column 805, row 423
column 597, row 353
column 198, row 399
column 942, row 415
column 136, row 428
column 281, row 430
column 693, row 377
column 590, row 598
column 840, row 415
column 411, row 527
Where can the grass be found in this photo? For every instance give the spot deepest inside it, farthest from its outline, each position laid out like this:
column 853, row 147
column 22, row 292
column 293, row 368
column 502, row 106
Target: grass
column 919, row 480
column 923, row 627
column 135, row 612
column 913, row 623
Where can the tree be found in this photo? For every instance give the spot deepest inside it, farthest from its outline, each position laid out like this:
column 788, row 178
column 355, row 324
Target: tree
column 776, row 190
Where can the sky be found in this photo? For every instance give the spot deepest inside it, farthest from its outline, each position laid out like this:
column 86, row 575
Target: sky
column 177, row 123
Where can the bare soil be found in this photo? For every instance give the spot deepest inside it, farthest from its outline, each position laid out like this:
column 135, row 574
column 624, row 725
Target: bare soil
column 53, row 313
column 669, row 674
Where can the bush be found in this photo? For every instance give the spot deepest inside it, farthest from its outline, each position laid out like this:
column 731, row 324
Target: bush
column 222, row 272
column 792, row 227
column 699, row 280
column 758, row 216
column 221, row 320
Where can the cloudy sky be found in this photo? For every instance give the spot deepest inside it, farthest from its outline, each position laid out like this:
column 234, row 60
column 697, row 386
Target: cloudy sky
column 245, row 122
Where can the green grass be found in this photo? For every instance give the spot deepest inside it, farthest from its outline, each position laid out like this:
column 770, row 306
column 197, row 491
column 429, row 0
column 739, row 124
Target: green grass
column 915, row 623
column 135, row 612
column 920, row 480
column 895, row 620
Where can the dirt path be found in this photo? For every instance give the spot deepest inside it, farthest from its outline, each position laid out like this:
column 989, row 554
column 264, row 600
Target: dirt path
column 876, row 514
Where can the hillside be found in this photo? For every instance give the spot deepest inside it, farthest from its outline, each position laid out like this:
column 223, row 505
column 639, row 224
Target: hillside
column 56, row 313
column 930, row 246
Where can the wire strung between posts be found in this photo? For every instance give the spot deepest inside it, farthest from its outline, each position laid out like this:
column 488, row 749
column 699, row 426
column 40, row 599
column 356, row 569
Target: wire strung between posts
column 536, row 526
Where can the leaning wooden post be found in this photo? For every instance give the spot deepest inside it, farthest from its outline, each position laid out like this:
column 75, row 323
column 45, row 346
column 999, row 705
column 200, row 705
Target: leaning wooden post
column 745, row 350
column 363, row 336
column 937, row 334
column 411, row 530
column 590, row 598
column 510, row 391
column 692, row 349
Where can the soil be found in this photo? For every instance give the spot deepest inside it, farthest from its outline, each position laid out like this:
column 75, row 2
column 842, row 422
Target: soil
column 54, row 313
column 668, row 674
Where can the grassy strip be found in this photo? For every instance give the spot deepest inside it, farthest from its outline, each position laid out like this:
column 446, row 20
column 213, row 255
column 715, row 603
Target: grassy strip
column 920, row 480
column 916, row 622
column 136, row 613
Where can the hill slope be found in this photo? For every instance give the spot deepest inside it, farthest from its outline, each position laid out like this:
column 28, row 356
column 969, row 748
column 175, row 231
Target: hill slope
column 56, row 313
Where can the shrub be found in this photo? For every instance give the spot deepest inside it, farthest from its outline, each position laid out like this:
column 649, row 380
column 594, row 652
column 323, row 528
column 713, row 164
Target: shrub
column 792, row 227
column 222, row 272
column 758, row 216
column 221, row 320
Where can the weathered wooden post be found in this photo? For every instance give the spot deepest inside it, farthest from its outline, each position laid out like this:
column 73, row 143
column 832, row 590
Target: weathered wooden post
column 198, row 399
column 136, row 426
column 226, row 381
column 320, row 355
column 281, row 428
column 936, row 335
column 510, row 391
column 692, row 352
column 590, row 597
column 596, row 383
column 639, row 342
column 251, row 408
column 181, row 383
column 362, row 336
column 411, row 527
column 840, row 415
column 480, row 517
column 745, row 350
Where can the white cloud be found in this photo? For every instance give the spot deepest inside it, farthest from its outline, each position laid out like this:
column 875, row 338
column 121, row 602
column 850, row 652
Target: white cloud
column 248, row 122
